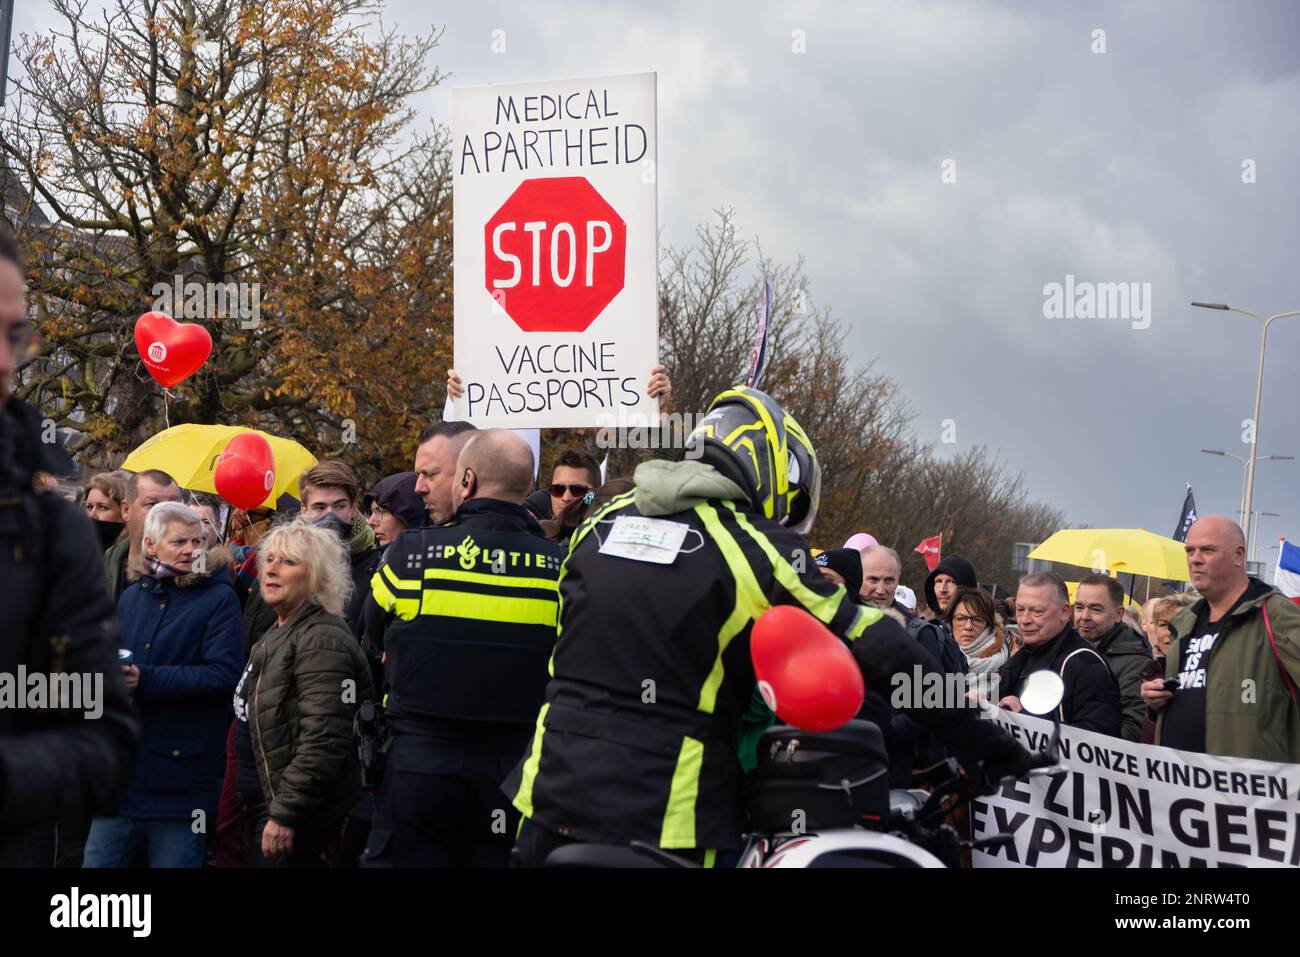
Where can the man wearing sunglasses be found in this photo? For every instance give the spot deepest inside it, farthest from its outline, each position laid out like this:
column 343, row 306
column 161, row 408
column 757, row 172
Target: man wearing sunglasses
column 574, row 474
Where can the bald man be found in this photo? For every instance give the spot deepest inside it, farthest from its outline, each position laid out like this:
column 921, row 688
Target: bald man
column 1234, row 658
column 465, row 614
column 494, row 464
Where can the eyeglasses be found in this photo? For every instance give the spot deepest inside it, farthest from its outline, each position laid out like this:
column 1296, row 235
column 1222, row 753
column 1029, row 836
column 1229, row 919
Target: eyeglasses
column 577, row 491
column 378, row 511
column 975, row 620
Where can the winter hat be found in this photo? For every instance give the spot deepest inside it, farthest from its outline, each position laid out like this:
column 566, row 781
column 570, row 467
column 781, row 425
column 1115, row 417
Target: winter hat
column 397, row 494
column 848, row 563
column 861, row 541
column 962, row 571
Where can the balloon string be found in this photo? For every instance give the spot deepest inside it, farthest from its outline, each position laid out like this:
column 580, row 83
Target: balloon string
column 167, row 398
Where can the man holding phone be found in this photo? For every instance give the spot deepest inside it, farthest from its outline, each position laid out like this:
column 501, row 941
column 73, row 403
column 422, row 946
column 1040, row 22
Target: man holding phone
column 1229, row 685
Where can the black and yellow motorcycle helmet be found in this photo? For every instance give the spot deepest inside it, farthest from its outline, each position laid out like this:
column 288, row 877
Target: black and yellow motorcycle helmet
column 749, row 438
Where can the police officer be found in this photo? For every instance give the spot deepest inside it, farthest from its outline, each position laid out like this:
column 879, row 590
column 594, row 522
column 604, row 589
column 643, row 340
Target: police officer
column 465, row 614
column 59, row 761
column 637, row 740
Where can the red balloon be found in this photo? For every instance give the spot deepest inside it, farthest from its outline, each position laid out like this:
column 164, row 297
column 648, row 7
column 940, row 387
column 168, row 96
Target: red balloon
column 172, row 351
column 245, row 472
column 805, row 673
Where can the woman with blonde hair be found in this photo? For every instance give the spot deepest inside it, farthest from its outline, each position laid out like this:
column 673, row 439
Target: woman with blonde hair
column 1163, row 610
column 103, row 503
column 298, row 773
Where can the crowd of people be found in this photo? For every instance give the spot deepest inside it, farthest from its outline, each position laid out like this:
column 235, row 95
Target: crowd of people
column 455, row 667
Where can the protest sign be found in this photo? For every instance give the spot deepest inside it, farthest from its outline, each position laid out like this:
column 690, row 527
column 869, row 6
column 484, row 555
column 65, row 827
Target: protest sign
column 556, row 267
column 1121, row 804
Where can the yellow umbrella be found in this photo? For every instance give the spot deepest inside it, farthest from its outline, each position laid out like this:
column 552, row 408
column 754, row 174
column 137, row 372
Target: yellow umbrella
column 1133, row 551
column 1073, row 589
column 189, row 454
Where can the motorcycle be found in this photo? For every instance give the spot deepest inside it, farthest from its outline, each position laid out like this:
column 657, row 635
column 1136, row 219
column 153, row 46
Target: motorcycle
column 823, row 800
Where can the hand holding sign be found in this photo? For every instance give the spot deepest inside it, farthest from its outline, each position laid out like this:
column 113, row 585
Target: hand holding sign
column 245, row 473
column 172, row 351
column 556, row 261
column 805, row 673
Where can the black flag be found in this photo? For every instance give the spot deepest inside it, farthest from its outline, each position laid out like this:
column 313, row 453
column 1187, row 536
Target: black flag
column 1186, row 519
column 758, row 360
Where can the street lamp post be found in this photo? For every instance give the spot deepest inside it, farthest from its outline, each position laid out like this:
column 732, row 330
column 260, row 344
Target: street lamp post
column 1241, row 509
column 1254, row 538
column 1259, row 390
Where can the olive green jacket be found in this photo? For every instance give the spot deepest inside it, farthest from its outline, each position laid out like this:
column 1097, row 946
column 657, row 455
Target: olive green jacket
column 114, row 561
column 308, row 677
column 1248, row 710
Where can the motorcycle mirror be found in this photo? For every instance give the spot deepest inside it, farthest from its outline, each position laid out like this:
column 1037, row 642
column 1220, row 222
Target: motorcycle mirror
column 1042, row 693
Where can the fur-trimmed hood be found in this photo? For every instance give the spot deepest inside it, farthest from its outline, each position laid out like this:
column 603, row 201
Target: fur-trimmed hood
column 217, row 569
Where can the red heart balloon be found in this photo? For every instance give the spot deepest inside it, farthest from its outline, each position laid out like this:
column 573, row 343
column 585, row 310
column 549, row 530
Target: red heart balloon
column 245, row 472
column 805, row 673
column 172, row 351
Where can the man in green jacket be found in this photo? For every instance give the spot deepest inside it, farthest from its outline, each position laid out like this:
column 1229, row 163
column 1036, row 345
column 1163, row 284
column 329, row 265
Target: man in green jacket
column 1099, row 619
column 1236, row 655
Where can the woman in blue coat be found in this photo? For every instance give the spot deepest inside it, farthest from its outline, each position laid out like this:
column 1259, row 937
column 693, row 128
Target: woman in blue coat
column 181, row 622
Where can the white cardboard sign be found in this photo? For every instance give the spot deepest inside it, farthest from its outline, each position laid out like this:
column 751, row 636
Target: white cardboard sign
column 556, row 283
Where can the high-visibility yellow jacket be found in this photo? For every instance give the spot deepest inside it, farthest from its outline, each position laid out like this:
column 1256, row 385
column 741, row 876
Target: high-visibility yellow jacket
column 466, row 614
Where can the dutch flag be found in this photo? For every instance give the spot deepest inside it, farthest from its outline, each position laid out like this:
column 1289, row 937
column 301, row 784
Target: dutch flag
column 1287, row 579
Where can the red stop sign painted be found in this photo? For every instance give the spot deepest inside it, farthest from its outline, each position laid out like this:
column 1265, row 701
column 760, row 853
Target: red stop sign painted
column 555, row 254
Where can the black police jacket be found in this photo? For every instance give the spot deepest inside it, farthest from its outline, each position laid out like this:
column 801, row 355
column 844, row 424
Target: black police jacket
column 652, row 675
column 466, row 614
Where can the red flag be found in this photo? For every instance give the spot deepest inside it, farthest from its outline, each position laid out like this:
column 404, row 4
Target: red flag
column 929, row 550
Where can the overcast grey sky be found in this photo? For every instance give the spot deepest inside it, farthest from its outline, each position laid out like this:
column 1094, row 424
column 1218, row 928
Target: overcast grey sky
column 1122, row 166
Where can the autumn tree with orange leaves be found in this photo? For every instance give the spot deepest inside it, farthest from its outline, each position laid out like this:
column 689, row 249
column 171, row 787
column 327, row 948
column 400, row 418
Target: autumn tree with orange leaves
column 265, row 142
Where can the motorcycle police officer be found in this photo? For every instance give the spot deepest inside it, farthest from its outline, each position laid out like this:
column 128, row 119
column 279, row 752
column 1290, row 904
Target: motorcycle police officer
column 465, row 614
column 637, row 740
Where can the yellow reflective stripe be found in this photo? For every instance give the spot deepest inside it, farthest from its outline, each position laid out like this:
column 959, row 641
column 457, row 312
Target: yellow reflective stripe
column 404, row 608
column 821, row 607
column 864, row 619
column 779, row 462
column 574, row 540
column 679, row 818
column 523, row 799
column 410, row 584
column 489, row 578
column 481, row 607
column 590, row 521
column 711, row 857
column 750, row 600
